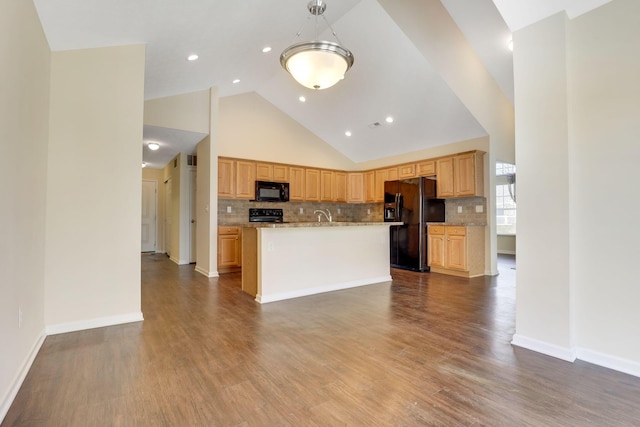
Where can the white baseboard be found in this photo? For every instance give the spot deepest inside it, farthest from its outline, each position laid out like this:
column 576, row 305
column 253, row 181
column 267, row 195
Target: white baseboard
column 262, row 299
column 7, row 400
column 100, row 322
column 504, row 252
column 206, row 273
column 553, row 350
column 612, row 362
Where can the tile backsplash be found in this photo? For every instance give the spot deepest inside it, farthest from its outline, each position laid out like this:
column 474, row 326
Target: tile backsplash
column 291, row 211
column 347, row 211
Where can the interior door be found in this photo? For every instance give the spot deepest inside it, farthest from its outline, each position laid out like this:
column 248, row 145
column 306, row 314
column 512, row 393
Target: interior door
column 149, row 208
column 192, row 215
column 168, row 216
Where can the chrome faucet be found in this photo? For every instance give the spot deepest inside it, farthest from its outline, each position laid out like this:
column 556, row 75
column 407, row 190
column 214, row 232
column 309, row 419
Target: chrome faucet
column 326, row 214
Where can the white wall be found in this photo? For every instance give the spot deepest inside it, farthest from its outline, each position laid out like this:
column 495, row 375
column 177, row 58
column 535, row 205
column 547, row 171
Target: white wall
column 577, row 109
column 604, row 106
column 92, row 269
column 24, row 121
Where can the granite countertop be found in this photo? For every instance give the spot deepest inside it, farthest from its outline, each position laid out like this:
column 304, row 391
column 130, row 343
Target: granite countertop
column 314, row 224
column 459, row 224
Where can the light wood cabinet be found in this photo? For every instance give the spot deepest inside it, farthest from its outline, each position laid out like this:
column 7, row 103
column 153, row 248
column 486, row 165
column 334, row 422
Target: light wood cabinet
column 245, row 179
column 340, row 187
column 461, row 175
column 456, row 250
column 272, row 172
column 327, row 182
column 355, row 190
column 426, row 168
column 226, row 179
column 407, row 171
column 296, row 183
column 229, row 248
column 312, row 185
column 370, row 186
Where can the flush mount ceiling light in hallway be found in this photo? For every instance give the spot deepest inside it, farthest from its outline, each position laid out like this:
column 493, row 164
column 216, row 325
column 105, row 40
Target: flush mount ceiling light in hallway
column 317, row 64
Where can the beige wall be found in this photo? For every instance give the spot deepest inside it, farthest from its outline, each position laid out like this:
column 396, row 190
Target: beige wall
column 577, row 104
column 507, row 245
column 94, row 192
column 252, row 128
column 24, row 121
column 189, row 111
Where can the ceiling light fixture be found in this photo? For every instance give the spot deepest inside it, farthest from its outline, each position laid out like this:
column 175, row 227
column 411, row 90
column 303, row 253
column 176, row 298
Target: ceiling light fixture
column 389, row 119
column 236, row 81
column 192, row 57
column 153, row 146
column 348, row 133
column 302, row 99
column 317, row 64
column 266, row 49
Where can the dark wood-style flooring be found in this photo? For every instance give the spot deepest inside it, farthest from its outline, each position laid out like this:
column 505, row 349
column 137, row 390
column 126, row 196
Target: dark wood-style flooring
column 424, row 349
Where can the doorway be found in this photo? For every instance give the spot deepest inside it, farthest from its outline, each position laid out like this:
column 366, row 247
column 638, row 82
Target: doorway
column 149, row 215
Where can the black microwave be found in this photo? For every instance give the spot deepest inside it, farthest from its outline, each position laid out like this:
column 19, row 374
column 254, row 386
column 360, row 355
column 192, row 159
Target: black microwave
column 272, row 191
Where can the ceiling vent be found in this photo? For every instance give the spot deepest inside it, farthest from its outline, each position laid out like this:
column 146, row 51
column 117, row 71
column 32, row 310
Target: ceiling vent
column 375, row 125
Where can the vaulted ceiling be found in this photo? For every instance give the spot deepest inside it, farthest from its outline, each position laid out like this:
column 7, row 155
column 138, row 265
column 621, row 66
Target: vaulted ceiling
column 390, row 76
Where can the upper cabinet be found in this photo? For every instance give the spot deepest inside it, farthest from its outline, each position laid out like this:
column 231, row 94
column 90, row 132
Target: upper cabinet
column 461, row 175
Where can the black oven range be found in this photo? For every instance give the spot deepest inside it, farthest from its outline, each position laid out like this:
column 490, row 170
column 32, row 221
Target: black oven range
column 265, row 215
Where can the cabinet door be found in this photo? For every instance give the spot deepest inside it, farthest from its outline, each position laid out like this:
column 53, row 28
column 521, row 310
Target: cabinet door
column 456, row 256
column 407, row 171
column 444, row 168
column 382, row 175
column 426, row 168
column 264, row 171
column 296, row 183
column 327, row 179
column 228, row 250
column 435, row 250
column 245, row 179
column 370, row 186
column 355, row 193
column 465, row 174
column 226, row 189
column 281, row 173
column 340, row 187
column 312, row 185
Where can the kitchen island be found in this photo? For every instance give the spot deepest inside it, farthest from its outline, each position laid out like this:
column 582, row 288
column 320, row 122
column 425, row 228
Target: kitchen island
column 289, row 260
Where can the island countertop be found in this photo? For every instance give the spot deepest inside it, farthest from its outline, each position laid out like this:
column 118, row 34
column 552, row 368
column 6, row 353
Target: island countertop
column 315, row 224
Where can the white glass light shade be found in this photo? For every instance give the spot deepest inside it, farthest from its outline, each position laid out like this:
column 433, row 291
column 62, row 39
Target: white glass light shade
column 318, row 64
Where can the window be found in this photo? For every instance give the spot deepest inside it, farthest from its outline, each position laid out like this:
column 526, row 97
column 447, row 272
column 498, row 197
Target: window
column 505, row 198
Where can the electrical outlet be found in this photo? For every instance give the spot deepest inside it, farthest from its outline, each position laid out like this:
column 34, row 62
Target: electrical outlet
column 301, row 210
column 228, row 209
column 368, row 211
column 459, row 209
column 20, row 317
column 479, row 209
column 270, row 247
column 338, row 210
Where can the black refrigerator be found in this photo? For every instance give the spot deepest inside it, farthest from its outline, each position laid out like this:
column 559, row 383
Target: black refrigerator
column 412, row 202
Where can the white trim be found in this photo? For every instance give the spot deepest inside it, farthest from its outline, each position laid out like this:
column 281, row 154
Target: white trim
column 612, row 362
column 100, row 322
column 553, row 350
column 206, row 273
column 262, row 299
column 7, row 400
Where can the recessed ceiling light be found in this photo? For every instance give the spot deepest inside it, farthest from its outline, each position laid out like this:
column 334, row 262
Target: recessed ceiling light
column 266, row 49
column 302, row 99
column 348, row 133
column 389, row 119
column 192, row 57
column 153, row 146
column 236, row 81
column 144, row 165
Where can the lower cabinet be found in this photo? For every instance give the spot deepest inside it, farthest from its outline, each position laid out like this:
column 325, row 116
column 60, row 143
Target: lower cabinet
column 456, row 250
column 229, row 248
